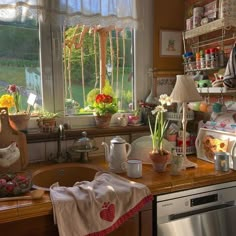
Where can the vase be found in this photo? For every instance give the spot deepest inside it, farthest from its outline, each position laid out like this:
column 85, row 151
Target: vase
column 159, row 161
column 103, row 121
column 19, row 121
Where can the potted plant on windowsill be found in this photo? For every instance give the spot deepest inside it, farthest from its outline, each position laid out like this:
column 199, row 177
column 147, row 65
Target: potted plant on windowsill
column 104, row 107
column 47, row 120
column 158, row 155
column 12, row 101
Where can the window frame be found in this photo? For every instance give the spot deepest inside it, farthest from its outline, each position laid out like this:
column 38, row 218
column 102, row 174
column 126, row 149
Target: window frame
column 52, row 67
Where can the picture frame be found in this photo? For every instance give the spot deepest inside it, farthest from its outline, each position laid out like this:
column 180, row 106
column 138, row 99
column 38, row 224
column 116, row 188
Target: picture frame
column 170, row 43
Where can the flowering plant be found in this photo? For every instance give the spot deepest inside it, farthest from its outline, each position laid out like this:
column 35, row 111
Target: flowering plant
column 12, row 99
column 160, row 126
column 104, row 104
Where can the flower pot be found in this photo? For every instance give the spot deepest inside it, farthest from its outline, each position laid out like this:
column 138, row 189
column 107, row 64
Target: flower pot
column 103, row 121
column 19, row 121
column 159, row 161
column 47, row 125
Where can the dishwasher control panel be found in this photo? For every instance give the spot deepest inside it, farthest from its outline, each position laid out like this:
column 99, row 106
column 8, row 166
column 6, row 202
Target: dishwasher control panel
column 203, row 200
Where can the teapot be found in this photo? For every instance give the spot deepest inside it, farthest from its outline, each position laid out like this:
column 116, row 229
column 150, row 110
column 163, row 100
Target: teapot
column 118, row 154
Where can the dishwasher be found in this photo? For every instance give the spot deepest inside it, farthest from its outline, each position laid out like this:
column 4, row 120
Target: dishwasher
column 204, row 211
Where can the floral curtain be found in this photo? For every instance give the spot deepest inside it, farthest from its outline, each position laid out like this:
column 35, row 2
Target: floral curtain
column 119, row 13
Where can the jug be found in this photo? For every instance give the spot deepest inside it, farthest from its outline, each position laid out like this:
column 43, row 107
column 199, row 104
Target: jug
column 117, row 155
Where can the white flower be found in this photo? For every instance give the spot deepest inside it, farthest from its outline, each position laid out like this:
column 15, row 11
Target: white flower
column 158, row 108
column 165, row 99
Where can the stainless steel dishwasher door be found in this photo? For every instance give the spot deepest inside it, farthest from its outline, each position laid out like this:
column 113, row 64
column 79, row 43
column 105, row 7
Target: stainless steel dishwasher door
column 220, row 222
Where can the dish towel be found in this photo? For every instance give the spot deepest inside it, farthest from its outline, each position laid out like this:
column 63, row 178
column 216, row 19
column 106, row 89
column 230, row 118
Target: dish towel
column 230, row 71
column 96, row 208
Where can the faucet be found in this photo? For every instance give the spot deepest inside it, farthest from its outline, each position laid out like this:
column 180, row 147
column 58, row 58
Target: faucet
column 61, row 136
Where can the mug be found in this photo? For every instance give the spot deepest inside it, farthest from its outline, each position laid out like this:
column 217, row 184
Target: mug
column 134, row 168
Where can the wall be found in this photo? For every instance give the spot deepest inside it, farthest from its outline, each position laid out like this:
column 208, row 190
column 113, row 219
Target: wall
column 168, row 15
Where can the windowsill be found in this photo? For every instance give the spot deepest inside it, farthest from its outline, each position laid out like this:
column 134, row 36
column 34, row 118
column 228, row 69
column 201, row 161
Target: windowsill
column 35, row 136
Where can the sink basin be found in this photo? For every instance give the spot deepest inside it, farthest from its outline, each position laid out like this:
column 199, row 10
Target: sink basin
column 65, row 174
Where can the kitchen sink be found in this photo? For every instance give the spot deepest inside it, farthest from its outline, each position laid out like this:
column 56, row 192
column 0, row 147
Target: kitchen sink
column 66, row 174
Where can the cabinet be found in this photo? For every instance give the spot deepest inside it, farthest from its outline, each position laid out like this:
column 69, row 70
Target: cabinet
column 138, row 225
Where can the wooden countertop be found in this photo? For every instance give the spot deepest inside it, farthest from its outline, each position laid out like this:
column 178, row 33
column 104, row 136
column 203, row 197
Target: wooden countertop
column 158, row 183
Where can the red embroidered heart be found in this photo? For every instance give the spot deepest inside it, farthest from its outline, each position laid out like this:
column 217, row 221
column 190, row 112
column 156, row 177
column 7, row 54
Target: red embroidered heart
column 108, row 213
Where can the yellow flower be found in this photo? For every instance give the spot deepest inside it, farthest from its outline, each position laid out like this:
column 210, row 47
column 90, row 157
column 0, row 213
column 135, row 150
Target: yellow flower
column 7, row 100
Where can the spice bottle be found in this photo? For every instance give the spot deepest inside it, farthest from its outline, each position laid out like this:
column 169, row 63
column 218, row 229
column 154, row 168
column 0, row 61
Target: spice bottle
column 207, row 58
column 221, row 58
column 202, row 60
column 198, row 61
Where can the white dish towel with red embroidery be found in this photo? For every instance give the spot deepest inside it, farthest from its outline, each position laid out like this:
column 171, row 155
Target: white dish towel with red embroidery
column 98, row 207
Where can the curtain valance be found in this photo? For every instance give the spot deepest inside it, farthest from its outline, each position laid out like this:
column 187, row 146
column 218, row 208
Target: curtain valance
column 119, row 13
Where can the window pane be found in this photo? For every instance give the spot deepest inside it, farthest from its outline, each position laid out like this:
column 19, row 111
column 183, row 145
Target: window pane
column 19, row 58
column 82, row 54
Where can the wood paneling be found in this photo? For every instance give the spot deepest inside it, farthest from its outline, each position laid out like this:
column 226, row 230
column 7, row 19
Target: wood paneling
column 168, row 15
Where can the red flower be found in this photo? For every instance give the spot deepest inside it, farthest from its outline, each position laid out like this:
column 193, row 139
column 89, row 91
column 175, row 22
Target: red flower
column 12, row 88
column 103, row 98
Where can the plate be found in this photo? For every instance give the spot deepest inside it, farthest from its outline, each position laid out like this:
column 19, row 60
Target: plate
column 138, row 124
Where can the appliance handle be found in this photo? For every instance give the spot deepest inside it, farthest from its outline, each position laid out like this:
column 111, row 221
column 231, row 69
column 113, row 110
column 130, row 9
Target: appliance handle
column 196, row 212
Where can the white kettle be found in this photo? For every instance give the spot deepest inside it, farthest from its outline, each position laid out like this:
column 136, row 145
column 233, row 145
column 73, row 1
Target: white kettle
column 118, row 154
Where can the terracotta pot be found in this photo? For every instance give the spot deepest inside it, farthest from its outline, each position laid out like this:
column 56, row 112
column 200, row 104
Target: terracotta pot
column 159, row 162
column 103, row 121
column 19, row 121
column 47, row 125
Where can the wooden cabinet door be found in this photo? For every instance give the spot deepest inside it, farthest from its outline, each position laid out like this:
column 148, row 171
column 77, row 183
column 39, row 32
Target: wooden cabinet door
column 129, row 228
column 146, row 221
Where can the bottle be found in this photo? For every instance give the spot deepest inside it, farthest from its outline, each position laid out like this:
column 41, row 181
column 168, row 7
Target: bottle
column 202, row 60
column 221, row 58
column 207, row 58
column 198, row 61
column 213, row 63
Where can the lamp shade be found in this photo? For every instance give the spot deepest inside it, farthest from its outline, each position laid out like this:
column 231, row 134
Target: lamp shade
column 185, row 90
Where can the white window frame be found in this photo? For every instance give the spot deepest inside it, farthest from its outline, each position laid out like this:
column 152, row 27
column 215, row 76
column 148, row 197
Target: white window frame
column 52, row 68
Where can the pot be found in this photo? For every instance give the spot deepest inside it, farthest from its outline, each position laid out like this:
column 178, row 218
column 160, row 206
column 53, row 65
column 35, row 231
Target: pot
column 159, row 161
column 117, row 155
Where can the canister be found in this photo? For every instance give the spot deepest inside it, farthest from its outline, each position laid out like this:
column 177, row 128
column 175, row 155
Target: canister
column 221, row 161
column 197, row 16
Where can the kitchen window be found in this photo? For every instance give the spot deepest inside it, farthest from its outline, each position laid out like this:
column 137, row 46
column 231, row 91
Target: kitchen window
column 39, row 59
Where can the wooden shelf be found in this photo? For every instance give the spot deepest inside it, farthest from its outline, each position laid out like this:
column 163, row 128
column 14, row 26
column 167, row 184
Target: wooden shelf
column 216, row 90
column 210, row 27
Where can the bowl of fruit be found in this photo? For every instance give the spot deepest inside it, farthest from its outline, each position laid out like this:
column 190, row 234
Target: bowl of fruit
column 14, row 184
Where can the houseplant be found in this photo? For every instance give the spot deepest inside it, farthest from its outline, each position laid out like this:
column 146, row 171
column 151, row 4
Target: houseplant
column 47, row 120
column 12, row 101
column 104, row 107
column 159, row 156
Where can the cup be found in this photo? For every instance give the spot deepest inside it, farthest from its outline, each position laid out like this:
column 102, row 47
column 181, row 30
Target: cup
column 134, row 168
column 217, row 107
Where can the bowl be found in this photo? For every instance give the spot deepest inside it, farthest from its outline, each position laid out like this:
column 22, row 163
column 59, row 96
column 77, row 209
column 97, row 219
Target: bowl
column 133, row 120
column 14, row 184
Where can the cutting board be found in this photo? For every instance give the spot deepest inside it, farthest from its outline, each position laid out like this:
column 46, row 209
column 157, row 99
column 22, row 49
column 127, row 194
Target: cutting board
column 8, row 135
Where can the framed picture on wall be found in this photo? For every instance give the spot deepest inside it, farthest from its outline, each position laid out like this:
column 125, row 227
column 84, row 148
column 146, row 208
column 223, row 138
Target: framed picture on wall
column 170, row 43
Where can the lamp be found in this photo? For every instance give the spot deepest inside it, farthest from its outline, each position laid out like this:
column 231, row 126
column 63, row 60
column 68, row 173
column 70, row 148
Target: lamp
column 185, row 91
